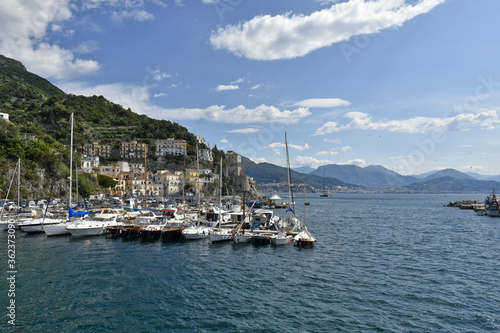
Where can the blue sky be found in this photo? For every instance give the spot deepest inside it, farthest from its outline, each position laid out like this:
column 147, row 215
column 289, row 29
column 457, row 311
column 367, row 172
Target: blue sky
column 411, row 85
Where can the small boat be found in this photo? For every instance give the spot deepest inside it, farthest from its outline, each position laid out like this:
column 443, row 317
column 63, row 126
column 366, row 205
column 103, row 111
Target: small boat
column 262, row 238
column 96, row 226
column 172, row 230
column 242, row 237
column 198, row 230
column 281, row 238
column 304, row 238
column 37, row 225
column 491, row 205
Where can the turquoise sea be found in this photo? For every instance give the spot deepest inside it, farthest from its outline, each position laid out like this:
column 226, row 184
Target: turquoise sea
column 382, row 263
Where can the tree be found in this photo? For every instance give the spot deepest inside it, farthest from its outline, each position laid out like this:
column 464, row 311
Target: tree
column 106, row 181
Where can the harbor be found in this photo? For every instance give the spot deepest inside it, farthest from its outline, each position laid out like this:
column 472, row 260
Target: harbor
column 368, row 271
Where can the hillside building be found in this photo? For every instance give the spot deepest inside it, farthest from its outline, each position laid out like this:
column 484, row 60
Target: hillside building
column 95, row 149
column 90, row 163
column 4, row 116
column 206, row 155
column 171, row 146
column 133, row 150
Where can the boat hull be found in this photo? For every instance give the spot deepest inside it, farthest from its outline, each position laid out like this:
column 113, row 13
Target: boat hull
column 242, row 238
column 220, row 236
column 36, row 227
column 171, row 233
column 281, row 240
column 83, row 231
column 195, row 233
column 492, row 213
column 56, row 229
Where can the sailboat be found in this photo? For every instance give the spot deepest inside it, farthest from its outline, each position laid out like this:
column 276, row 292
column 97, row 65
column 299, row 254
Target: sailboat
column 198, row 229
column 219, row 234
column 56, row 229
column 282, row 237
column 22, row 216
column 304, row 238
column 325, row 194
column 60, row 228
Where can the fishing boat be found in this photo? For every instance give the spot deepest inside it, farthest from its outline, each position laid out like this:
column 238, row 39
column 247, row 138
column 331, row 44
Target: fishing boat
column 491, row 206
column 172, row 230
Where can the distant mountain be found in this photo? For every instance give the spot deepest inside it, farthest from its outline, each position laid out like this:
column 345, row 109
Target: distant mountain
column 450, row 184
column 483, row 177
column 373, row 176
column 305, row 169
column 448, row 173
column 267, row 173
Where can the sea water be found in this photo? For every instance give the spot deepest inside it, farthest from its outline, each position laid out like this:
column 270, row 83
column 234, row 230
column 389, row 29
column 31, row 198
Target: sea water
column 382, row 262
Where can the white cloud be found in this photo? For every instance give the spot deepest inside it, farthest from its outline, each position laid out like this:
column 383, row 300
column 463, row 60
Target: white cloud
column 278, row 147
column 359, row 162
column 238, row 115
column 136, row 15
column 223, row 87
column 327, row 153
column 363, row 121
column 300, row 161
column 127, row 95
column 223, row 140
column 86, row 47
column 137, row 98
column 288, row 36
column 333, row 151
column 257, row 86
column 23, row 26
column 322, row 103
column 240, row 80
column 249, row 130
column 282, row 145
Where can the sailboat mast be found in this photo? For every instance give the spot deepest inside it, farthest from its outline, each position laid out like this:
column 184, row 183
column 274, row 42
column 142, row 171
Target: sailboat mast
column 18, row 183
column 71, row 162
column 145, row 181
column 290, row 192
column 198, row 181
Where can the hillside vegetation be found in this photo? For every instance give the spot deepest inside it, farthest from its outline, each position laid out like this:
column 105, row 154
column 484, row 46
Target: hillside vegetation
column 38, row 109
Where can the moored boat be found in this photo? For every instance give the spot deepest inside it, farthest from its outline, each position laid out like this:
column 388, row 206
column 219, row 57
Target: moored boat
column 304, row 238
column 491, row 205
column 198, row 230
column 95, row 226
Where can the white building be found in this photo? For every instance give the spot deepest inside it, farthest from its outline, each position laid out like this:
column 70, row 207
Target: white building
column 89, row 163
column 4, row 116
column 206, row 155
column 171, row 147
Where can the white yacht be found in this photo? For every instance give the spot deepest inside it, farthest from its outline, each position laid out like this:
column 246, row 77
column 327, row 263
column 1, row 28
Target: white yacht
column 92, row 227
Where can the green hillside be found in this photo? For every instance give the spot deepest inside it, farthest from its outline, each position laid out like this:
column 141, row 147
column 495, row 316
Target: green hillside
column 37, row 109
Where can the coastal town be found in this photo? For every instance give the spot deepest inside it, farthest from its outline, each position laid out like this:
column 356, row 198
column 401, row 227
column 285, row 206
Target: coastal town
column 132, row 178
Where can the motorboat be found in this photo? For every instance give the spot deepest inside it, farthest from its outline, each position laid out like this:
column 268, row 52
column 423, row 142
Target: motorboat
column 198, row 230
column 92, row 227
